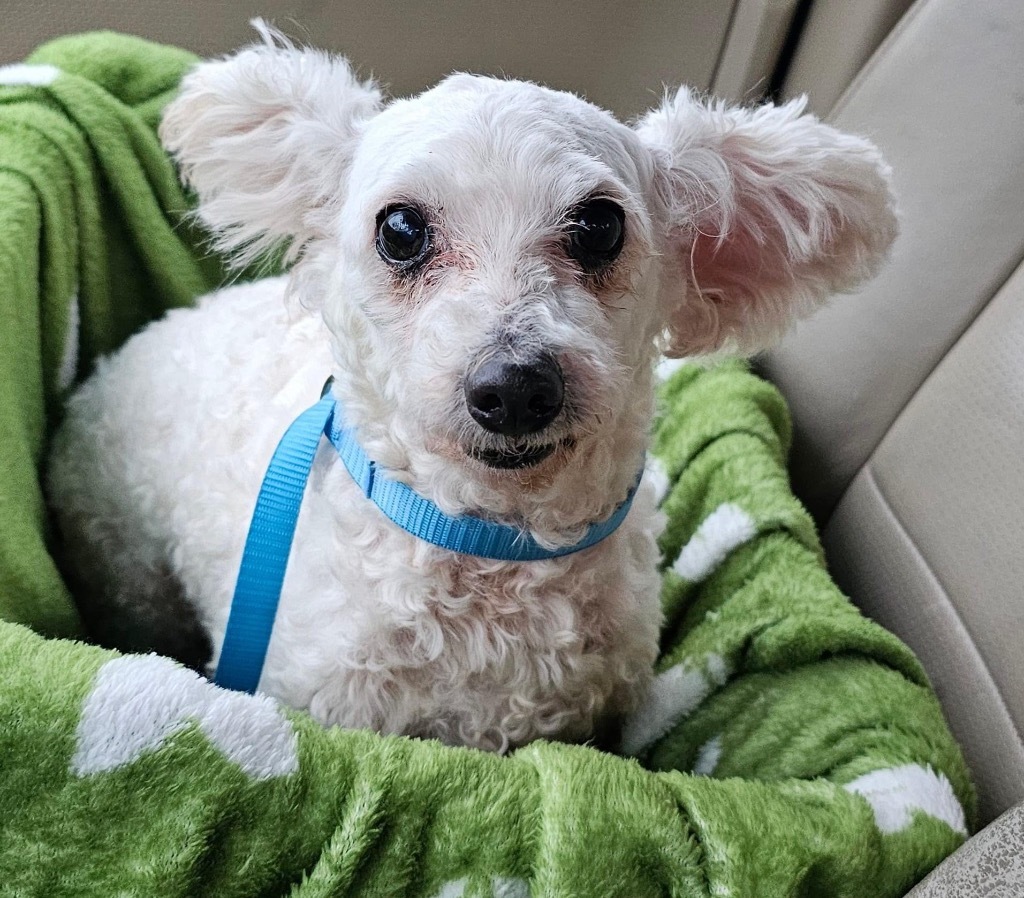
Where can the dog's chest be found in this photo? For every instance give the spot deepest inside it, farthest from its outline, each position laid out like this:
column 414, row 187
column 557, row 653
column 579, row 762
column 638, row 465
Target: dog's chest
column 367, row 607
column 406, row 602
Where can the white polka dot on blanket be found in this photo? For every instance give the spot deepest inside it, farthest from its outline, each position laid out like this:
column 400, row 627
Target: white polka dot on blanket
column 708, row 756
column 728, row 527
column 667, row 367
column 501, row 887
column 673, row 695
column 894, row 793
column 657, row 476
column 28, row 74
column 69, row 357
column 509, row 887
column 138, row 702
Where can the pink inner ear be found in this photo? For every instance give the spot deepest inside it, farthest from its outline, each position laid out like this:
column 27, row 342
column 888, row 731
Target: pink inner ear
column 773, row 211
column 762, row 250
column 746, row 283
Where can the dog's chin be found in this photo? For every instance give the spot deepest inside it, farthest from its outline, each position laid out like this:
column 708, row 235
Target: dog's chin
column 521, row 457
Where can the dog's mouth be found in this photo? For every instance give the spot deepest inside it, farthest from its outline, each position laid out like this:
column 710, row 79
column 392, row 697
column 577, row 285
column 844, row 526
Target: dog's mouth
column 517, row 457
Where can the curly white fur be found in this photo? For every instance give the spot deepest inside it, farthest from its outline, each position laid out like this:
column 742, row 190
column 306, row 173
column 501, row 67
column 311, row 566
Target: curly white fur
column 735, row 219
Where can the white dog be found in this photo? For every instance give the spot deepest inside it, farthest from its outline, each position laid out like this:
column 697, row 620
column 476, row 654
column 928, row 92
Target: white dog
column 490, row 272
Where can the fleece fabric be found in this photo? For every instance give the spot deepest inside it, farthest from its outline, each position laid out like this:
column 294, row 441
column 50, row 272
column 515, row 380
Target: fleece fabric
column 788, row 746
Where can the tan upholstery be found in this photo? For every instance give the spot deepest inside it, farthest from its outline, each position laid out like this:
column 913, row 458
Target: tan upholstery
column 838, row 38
column 757, row 34
column 908, row 398
column 991, row 864
column 942, row 99
column 618, row 54
column 928, row 537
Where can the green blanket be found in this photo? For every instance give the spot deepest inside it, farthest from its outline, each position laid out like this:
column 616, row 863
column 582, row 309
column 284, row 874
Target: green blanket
column 789, row 747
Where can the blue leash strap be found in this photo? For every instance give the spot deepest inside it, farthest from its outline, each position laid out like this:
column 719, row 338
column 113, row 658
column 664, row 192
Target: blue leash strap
column 267, row 548
column 464, row 534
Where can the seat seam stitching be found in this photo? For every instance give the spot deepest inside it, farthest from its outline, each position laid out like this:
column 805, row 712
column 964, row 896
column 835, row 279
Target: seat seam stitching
column 873, row 61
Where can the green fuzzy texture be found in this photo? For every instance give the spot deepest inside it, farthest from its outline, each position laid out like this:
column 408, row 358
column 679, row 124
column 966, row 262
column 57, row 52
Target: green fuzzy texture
column 799, row 694
column 91, row 208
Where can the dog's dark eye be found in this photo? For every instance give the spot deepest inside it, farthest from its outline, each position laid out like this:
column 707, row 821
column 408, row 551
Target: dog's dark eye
column 402, row 236
column 597, row 231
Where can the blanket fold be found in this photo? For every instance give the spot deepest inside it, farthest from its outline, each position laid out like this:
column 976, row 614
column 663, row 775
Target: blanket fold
column 788, row 746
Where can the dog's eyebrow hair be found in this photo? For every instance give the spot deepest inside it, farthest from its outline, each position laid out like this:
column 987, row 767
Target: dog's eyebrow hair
column 601, row 192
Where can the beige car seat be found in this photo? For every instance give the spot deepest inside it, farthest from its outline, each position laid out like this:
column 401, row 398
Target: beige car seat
column 908, row 398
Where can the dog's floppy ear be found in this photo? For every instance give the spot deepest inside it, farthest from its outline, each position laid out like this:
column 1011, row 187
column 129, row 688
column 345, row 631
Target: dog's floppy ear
column 767, row 211
column 265, row 138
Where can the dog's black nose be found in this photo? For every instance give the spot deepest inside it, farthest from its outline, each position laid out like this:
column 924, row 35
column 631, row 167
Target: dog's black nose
column 514, row 398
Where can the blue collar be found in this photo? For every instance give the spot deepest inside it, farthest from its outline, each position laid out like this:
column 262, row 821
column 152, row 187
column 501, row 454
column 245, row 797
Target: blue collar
column 268, row 545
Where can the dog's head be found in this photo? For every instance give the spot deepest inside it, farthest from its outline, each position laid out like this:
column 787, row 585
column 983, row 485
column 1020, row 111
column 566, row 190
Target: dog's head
column 500, row 264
